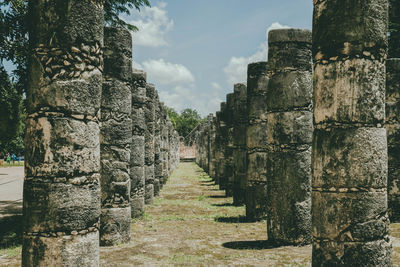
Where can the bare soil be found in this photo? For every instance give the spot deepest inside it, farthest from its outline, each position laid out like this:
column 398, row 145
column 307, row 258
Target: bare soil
column 192, row 223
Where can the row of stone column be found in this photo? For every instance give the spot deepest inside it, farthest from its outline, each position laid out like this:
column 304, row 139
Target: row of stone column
column 98, row 142
column 316, row 158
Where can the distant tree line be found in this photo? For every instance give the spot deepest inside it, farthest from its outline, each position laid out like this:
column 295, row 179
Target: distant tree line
column 14, row 47
column 185, row 122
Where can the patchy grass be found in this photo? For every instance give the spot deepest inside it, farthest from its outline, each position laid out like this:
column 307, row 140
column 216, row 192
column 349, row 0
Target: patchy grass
column 191, row 223
column 15, row 164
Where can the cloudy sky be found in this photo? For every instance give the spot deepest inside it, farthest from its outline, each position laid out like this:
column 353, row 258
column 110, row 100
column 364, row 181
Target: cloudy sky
column 195, row 50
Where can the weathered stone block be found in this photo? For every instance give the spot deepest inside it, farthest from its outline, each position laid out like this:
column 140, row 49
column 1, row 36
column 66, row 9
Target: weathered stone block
column 60, row 146
column 115, row 226
column 350, row 158
column 294, row 87
column 290, row 128
column 61, row 207
column 256, row 200
column 350, row 91
column 289, row 196
column 67, row 250
column 371, row 253
column 137, row 150
column 364, row 220
column 81, row 95
column 349, row 28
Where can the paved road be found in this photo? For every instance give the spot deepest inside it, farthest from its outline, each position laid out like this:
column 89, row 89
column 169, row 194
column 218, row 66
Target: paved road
column 11, row 184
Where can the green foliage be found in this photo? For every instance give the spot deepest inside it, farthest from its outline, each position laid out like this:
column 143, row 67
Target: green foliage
column 394, row 29
column 14, row 44
column 185, row 122
column 113, row 8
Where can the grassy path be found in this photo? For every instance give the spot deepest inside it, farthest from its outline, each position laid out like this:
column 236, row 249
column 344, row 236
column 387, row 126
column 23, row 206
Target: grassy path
column 192, row 224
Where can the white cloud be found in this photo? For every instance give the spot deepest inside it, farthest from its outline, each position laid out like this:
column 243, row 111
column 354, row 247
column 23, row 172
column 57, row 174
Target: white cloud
column 236, row 70
column 153, row 24
column 164, row 73
column 216, row 85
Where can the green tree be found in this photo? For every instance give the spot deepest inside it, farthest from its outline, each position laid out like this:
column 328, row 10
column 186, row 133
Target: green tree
column 394, row 29
column 186, row 121
column 14, row 21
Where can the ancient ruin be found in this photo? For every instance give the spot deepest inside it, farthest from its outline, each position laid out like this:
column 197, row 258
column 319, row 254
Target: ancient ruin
column 149, row 143
column 138, row 143
column 289, row 137
column 349, row 154
column 256, row 141
column 309, row 145
column 239, row 143
column 62, row 160
column 116, row 138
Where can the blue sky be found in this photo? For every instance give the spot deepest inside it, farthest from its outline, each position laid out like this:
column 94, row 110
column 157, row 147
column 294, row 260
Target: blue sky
column 195, row 50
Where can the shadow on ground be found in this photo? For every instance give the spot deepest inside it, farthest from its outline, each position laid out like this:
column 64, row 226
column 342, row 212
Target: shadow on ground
column 10, row 231
column 234, row 219
column 255, row 244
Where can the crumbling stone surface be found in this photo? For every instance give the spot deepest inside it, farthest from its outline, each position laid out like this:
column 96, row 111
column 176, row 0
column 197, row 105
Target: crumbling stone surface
column 228, row 153
column 349, row 198
column 157, row 146
column 239, row 144
column 116, row 138
column 289, row 137
column 149, row 143
column 138, row 143
column 256, row 141
column 392, row 125
column 61, row 205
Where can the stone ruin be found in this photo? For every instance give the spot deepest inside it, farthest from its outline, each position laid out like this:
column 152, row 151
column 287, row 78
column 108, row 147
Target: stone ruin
column 96, row 133
column 317, row 153
column 318, row 160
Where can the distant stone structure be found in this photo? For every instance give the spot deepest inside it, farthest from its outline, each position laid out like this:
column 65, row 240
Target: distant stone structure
column 61, row 205
column 289, row 137
column 149, row 143
column 256, row 141
column 349, row 198
column 116, row 138
column 138, row 143
column 239, row 144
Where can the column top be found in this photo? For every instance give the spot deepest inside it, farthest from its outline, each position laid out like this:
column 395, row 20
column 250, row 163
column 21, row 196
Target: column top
column 289, row 35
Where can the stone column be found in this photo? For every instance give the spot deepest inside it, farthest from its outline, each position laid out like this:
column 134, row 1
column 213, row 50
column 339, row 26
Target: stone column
column 157, row 146
column 392, row 126
column 149, row 143
column 115, row 138
column 61, row 198
column 138, row 143
column 170, row 148
column 165, row 144
column 223, row 141
column 349, row 157
column 211, row 146
column 256, row 141
column 228, row 172
column 217, row 148
column 289, row 137
column 239, row 143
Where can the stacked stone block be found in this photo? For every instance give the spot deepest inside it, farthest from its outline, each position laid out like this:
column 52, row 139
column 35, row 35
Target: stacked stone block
column 349, row 157
column 61, row 198
column 228, row 153
column 256, row 141
column 165, row 144
column 138, row 143
column 211, row 146
column 116, row 137
column 289, row 137
column 157, row 146
column 239, row 144
column 222, row 140
column 149, row 143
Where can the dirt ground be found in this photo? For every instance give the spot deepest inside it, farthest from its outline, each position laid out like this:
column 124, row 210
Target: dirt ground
column 192, row 224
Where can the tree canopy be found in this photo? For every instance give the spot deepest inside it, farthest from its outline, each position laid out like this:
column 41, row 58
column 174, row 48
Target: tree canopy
column 14, row 21
column 394, row 29
column 185, row 122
